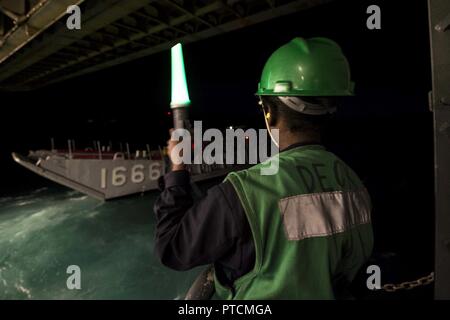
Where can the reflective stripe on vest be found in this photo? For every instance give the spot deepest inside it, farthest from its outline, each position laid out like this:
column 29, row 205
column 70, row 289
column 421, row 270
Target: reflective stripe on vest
column 323, row 214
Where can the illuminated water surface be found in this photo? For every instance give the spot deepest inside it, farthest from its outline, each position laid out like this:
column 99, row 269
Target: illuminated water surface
column 43, row 232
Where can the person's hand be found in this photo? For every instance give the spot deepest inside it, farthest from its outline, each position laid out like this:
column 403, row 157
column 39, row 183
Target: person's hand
column 170, row 145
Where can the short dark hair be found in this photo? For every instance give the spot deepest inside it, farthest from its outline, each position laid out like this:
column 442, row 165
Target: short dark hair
column 297, row 121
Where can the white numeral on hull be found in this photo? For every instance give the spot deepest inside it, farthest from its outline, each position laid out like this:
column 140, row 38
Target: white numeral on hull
column 103, row 179
column 137, row 173
column 118, row 176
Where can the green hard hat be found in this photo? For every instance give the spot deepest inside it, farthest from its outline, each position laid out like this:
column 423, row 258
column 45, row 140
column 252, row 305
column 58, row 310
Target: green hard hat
column 306, row 67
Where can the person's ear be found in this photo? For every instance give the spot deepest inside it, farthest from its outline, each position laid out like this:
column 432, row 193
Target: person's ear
column 271, row 116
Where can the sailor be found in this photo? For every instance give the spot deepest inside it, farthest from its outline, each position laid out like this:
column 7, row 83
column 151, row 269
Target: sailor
column 302, row 233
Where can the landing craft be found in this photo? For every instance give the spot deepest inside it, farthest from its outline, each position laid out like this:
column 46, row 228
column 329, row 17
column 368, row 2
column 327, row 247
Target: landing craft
column 106, row 174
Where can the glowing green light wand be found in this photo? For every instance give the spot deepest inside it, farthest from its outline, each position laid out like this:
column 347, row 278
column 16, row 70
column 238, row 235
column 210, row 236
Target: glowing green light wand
column 203, row 287
column 180, row 95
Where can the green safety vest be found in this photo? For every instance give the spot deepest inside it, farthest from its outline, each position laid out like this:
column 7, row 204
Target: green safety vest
column 310, row 223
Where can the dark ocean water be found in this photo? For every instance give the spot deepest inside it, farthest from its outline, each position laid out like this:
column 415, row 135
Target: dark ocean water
column 45, row 231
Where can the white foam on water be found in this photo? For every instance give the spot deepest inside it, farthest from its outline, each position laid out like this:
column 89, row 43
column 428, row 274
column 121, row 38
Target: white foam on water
column 25, row 202
column 79, row 198
column 39, row 220
column 38, row 215
column 39, row 190
column 24, row 290
column 3, row 280
column 93, row 214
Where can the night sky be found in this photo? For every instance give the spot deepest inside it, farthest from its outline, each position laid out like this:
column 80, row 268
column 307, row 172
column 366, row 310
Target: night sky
column 384, row 132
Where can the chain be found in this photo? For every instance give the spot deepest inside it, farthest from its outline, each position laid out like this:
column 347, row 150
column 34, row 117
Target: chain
column 408, row 285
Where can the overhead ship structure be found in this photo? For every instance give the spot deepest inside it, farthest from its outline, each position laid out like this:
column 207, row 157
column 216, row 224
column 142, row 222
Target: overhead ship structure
column 37, row 48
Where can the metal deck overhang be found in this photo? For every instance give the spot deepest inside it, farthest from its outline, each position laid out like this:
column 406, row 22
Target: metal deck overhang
column 37, row 49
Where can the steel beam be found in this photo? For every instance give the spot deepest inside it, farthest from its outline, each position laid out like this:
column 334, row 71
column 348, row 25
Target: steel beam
column 101, row 14
column 285, row 9
column 439, row 19
column 42, row 16
column 150, row 33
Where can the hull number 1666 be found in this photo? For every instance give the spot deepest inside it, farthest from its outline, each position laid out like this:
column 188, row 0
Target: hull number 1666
column 121, row 175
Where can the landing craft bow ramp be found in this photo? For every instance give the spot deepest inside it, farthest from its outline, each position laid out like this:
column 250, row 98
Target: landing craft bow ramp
column 37, row 48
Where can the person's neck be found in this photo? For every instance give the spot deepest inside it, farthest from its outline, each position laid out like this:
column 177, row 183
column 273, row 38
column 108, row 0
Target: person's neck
column 289, row 138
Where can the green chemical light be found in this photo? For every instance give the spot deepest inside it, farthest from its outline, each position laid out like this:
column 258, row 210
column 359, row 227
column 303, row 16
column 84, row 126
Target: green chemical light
column 180, row 94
